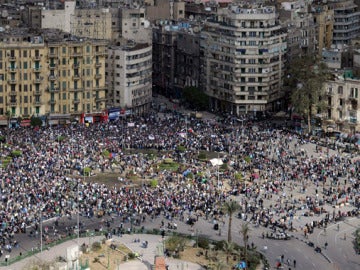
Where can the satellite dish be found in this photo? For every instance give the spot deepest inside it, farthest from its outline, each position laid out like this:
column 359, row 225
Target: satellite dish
column 146, row 24
column 191, row 17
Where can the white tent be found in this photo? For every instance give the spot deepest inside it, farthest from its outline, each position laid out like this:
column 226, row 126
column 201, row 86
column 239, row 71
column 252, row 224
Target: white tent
column 216, row 162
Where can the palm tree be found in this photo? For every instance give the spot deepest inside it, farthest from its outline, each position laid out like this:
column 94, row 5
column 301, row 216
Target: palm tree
column 244, row 231
column 228, row 248
column 219, row 265
column 230, row 207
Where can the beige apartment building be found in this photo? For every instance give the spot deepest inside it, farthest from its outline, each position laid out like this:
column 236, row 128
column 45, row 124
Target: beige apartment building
column 342, row 100
column 245, row 59
column 50, row 73
column 92, row 23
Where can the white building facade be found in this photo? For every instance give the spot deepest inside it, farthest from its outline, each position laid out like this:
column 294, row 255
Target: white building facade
column 129, row 76
column 244, row 56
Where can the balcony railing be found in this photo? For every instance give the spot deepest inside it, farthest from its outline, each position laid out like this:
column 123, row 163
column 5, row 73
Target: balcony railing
column 53, row 89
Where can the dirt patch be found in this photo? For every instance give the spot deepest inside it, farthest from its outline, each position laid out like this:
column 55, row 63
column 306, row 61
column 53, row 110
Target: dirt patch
column 209, row 258
column 106, row 257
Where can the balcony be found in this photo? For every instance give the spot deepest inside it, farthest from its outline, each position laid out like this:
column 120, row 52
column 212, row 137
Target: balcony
column 36, row 69
column 100, row 53
column 78, row 89
column 12, row 69
column 12, row 58
column 98, row 87
column 37, row 93
column 98, row 76
column 52, row 54
column 36, row 57
column 12, row 103
column 37, row 80
column 352, row 98
column 76, row 65
column 76, row 101
column 98, row 64
column 76, row 54
column 13, row 93
column 52, row 66
column 52, row 101
column 53, row 89
column 76, row 77
column 12, row 81
column 37, row 102
column 98, row 99
column 52, row 77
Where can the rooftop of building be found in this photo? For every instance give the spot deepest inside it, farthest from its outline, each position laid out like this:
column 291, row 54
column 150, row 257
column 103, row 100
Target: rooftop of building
column 47, row 35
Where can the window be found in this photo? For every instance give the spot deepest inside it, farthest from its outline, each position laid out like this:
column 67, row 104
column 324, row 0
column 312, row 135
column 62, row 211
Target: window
column 64, row 61
column 64, row 84
column 87, row 48
column 25, row 76
column 340, row 90
column 252, row 43
column 64, row 96
column 64, row 108
column 64, row 50
column 25, row 65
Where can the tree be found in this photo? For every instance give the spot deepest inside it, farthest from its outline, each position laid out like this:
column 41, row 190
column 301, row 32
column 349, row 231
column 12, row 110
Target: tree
column 36, row 121
column 228, row 248
column 8, row 116
column 306, row 78
column 230, row 207
column 195, row 98
column 244, row 231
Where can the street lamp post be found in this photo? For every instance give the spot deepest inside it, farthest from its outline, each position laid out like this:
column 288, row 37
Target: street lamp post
column 41, row 231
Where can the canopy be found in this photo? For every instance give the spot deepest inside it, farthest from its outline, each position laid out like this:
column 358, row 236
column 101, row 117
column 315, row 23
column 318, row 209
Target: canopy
column 216, row 162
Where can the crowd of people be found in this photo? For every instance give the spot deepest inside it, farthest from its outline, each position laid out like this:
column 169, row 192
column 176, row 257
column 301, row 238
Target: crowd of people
column 43, row 178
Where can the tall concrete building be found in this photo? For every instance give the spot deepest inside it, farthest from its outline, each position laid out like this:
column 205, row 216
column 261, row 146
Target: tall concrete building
column 295, row 16
column 164, row 50
column 129, row 76
column 134, row 26
column 245, row 55
column 324, row 27
column 51, row 73
column 59, row 18
column 346, row 21
column 92, row 23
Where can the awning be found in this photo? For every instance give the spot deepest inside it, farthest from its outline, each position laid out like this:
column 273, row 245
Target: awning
column 25, row 123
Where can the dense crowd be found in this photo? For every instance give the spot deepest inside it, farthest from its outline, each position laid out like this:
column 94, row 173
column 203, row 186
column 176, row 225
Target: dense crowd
column 44, row 181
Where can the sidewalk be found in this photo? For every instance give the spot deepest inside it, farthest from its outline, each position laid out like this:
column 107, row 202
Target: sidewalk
column 155, row 245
